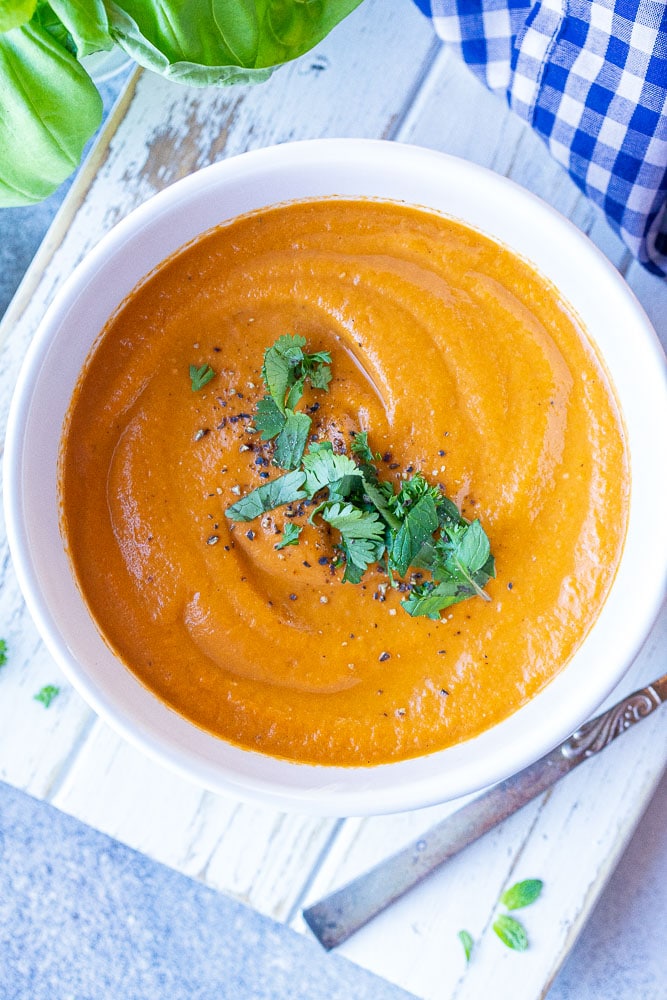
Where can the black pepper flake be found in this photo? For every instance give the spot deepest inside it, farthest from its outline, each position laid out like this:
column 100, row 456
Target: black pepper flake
column 323, row 560
column 395, row 465
column 441, row 652
column 384, row 656
column 306, row 564
column 201, row 433
column 260, row 460
column 510, row 585
column 314, row 408
column 217, row 350
column 263, row 475
column 250, row 535
column 410, row 468
column 212, row 539
column 444, row 692
column 292, row 597
column 386, row 457
column 441, row 452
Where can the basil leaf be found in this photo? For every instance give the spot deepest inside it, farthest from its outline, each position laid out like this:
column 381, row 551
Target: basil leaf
column 206, row 42
column 284, row 489
column 292, row 439
column 14, row 13
column 466, row 939
column 417, row 527
column 511, row 932
column 87, row 23
column 522, row 894
column 41, row 135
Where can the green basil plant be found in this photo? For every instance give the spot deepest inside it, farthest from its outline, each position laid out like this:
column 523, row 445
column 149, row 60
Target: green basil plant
column 50, row 107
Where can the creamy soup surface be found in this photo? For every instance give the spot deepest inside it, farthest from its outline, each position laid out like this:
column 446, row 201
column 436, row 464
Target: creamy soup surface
column 461, row 362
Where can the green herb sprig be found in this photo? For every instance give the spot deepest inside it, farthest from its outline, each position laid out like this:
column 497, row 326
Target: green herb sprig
column 3, row 652
column 511, row 931
column 47, row 694
column 199, row 377
column 415, row 528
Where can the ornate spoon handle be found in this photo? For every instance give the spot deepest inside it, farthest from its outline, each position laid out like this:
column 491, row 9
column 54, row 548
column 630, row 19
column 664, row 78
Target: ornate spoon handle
column 337, row 916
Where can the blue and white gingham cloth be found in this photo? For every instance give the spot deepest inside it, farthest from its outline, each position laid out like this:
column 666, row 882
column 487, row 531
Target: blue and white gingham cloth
column 591, row 79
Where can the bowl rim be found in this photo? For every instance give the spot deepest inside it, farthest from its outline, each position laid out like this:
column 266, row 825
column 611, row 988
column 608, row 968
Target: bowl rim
column 320, row 789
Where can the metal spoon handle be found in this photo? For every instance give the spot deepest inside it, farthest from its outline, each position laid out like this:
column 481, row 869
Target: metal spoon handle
column 337, row 916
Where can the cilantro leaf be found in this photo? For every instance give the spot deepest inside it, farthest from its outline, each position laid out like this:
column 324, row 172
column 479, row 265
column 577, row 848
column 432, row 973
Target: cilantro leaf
column 286, row 368
column 47, row 694
column 511, row 932
column 362, row 537
column 284, row 489
column 3, row 652
column 361, row 449
column 280, row 360
column 268, row 418
column 291, row 532
column 522, row 893
column 428, row 599
column 417, row 527
column 323, row 467
column 291, row 441
column 466, row 939
column 199, row 377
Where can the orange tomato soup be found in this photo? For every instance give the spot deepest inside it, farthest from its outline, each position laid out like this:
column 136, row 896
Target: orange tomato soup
column 460, row 361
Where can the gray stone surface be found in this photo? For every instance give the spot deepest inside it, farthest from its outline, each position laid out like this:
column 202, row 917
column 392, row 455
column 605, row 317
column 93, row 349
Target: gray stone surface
column 86, row 918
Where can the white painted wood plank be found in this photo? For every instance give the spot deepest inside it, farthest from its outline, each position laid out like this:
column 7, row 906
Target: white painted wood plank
column 571, row 838
column 259, row 855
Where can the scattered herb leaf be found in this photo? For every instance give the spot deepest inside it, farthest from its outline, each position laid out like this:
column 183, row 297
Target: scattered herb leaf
column 291, row 440
column 522, row 894
column 284, row 489
column 291, row 532
column 47, row 694
column 199, row 377
column 3, row 652
column 511, row 932
column 466, row 939
column 268, row 418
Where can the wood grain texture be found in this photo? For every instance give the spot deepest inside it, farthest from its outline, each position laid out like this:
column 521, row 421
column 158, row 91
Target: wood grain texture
column 380, row 74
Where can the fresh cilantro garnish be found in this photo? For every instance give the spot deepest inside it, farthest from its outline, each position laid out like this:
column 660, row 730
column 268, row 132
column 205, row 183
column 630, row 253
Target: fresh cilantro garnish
column 291, row 440
column 291, row 533
column 511, row 932
column 3, row 652
column 269, row 419
column 199, row 377
column 362, row 537
column 285, row 370
column 284, row 489
column 416, row 528
column 466, row 939
column 47, row 694
column 522, row 894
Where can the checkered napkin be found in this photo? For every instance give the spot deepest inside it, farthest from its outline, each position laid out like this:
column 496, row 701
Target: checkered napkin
column 591, row 79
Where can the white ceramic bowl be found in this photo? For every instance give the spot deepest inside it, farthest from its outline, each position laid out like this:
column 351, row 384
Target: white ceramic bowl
column 614, row 321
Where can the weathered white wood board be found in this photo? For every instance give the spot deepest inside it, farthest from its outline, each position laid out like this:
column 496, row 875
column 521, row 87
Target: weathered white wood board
column 380, row 74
